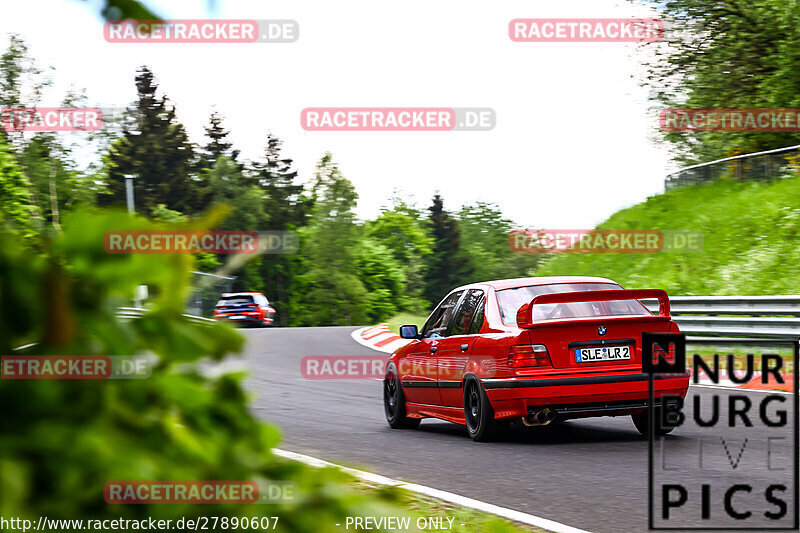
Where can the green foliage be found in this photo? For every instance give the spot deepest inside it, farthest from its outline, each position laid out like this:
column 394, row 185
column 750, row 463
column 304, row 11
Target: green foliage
column 329, row 287
column 227, row 185
column 16, row 206
column 127, row 9
column 751, row 235
column 55, row 186
column 484, row 238
column 162, row 213
column 401, row 319
column 288, row 209
column 217, row 145
column 382, row 276
column 22, row 81
column 402, row 231
column 61, row 441
column 448, row 266
column 283, row 197
column 155, row 151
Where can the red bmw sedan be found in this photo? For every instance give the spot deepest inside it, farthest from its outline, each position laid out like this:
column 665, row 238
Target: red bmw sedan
column 538, row 350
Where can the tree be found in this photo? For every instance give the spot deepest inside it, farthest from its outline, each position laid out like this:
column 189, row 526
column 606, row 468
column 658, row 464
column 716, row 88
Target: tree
column 329, row 291
column 22, row 81
column 227, row 185
column 448, row 265
column 288, row 209
column 284, row 200
column 404, row 234
column 382, row 276
column 155, row 151
column 484, row 233
column 16, row 207
column 217, row 145
column 52, row 177
column 727, row 54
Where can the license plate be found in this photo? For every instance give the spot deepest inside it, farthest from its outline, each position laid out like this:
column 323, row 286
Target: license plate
column 237, row 317
column 604, row 353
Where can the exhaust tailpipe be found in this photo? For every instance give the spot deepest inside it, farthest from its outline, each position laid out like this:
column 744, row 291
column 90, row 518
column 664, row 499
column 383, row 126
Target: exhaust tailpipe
column 541, row 417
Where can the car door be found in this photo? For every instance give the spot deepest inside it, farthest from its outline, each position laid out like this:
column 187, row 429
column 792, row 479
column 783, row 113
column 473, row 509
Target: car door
column 454, row 350
column 418, row 367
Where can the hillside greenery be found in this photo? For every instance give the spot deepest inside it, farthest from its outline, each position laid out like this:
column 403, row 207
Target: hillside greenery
column 751, row 241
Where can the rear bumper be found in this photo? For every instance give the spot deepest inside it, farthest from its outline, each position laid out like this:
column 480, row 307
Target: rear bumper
column 243, row 319
column 580, row 396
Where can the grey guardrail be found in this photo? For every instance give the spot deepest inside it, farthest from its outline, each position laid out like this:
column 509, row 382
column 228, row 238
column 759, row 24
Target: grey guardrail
column 765, row 317
column 130, row 313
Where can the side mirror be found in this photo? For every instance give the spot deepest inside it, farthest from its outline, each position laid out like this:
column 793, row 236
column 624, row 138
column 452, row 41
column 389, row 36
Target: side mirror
column 409, row 332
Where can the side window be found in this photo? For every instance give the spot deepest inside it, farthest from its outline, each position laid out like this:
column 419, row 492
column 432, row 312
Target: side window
column 437, row 323
column 477, row 319
column 461, row 324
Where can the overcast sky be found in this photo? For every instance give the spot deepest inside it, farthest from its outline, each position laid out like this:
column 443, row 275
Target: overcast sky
column 575, row 138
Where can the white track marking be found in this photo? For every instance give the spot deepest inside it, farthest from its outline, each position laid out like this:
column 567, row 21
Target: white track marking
column 358, row 336
column 510, row 514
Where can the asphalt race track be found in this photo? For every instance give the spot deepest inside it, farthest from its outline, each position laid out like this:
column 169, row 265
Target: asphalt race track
column 589, row 474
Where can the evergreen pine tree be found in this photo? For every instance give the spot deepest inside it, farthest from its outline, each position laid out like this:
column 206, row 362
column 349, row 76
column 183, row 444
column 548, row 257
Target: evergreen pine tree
column 154, row 150
column 448, row 265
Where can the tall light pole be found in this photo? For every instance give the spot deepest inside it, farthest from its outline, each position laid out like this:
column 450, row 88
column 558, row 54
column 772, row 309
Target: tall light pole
column 129, row 192
column 141, row 290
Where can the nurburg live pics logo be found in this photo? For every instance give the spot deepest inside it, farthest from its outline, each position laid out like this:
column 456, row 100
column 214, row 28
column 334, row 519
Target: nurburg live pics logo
column 732, row 463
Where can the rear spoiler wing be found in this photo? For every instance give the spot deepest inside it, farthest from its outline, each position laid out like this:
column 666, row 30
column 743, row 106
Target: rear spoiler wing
column 525, row 313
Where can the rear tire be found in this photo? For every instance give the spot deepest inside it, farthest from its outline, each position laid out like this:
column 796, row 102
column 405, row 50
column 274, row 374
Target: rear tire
column 642, row 423
column 479, row 415
column 394, row 402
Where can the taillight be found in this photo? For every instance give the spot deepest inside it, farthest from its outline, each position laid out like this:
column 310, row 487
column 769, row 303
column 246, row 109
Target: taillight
column 522, row 355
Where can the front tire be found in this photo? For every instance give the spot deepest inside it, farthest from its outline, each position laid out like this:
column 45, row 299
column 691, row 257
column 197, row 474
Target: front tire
column 394, row 402
column 478, row 413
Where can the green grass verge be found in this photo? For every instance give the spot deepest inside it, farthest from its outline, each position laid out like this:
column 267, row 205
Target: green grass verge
column 401, row 319
column 751, row 233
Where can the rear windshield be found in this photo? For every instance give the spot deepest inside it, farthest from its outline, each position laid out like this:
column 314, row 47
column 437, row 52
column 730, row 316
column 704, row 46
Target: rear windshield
column 510, row 300
column 236, row 299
